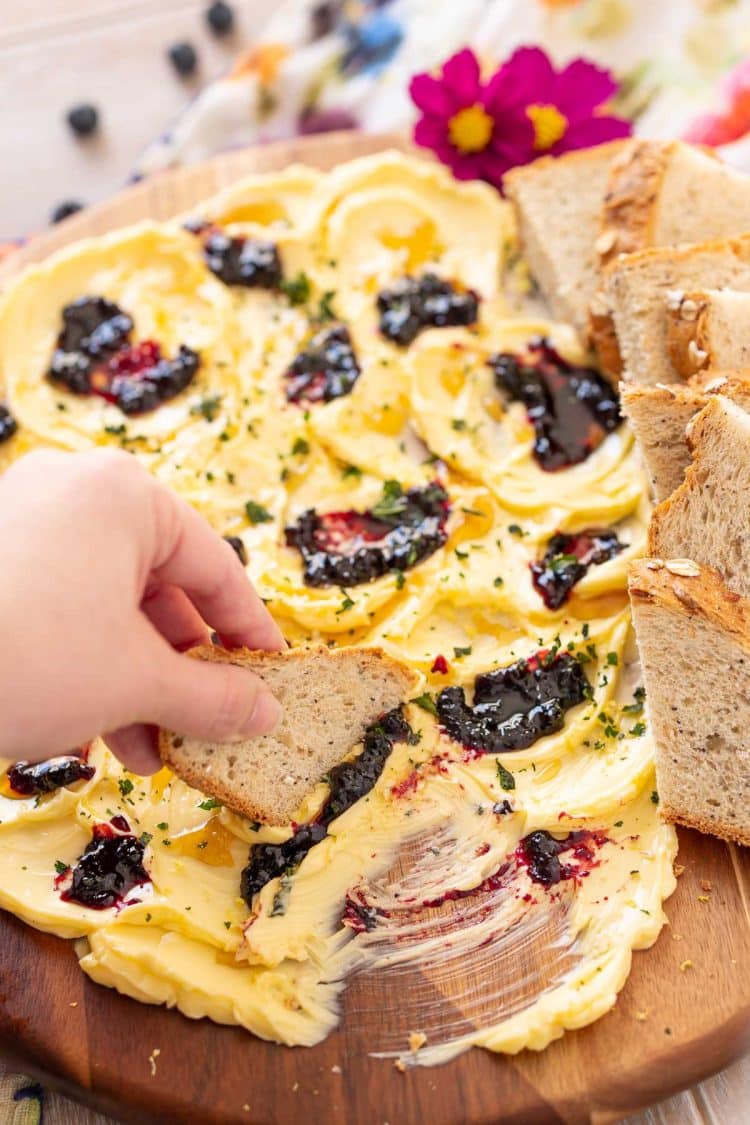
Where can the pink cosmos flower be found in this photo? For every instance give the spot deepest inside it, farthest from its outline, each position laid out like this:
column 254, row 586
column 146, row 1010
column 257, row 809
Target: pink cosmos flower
column 481, row 128
column 732, row 120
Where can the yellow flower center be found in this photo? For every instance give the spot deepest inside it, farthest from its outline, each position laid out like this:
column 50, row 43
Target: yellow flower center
column 470, row 129
column 549, row 125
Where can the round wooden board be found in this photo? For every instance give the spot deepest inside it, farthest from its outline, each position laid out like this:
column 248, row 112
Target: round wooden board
column 683, row 1014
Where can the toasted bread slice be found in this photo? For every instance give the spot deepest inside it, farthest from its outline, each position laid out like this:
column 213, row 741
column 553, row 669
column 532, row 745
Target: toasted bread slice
column 662, row 193
column 659, row 417
column 708, row 329
column 708, row 517
column 637, row 290
column 330, row 696
column 558, row 201
column 694, row 640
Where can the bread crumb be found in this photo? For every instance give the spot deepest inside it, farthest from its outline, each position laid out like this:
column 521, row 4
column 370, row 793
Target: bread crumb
column 706, row 885
column 683, row 568
column 679, row 869
column 336, row 1069
column 642, row 1015
column 703, row 898
column 73, row 1004
column 295, row 1087
column 655, row 564
column 400, row 1066
column 676, row 937
column 246, row 1107
column 417, row 1039
column 685, row 965
column 152, row 1060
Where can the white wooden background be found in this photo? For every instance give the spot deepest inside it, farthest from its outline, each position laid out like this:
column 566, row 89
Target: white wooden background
column 56, row 53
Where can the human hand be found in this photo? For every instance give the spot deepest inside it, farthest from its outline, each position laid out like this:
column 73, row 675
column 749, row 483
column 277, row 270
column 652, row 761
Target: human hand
column 107, row 576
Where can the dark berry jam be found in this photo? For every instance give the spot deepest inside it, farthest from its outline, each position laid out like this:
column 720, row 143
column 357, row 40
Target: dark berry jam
column 572, row 409
column 348, row 782
column 95, row 355
column 31, row 779
column 249, row 262
column 567, row 560
column 350, row 548
column 8, row 424
column 514, row 706
column 238, row 547
column 540, row 854
column 109, row 868
column 414, row 303
column 325, row 370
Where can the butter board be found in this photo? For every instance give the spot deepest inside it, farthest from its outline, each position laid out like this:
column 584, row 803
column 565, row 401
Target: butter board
column 683, row 1014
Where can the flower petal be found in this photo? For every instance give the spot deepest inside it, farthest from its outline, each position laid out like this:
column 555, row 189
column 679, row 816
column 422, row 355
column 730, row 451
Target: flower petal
column 592, row 131
column 461, row 74
column 526, row 78
column 431, row 95
column 513, row 136
column 430, row 132
column 581, row 87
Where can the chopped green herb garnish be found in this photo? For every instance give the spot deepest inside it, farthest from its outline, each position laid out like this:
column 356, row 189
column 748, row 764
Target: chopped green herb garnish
column 125, row 785
column 208, row 407
column 458, row 652
column 61, row 867
column 210, row 803
column 505, row 777
column 426, row 702
column 301, row 447
column 256, row 513
column 296, row 289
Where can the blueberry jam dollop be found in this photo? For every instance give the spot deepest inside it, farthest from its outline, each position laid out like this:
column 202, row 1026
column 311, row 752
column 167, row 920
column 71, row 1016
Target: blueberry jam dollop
column 540, row 853
column 350, row 548
column 31, row 779
column 8, row 424
column 95, row 355
column 348, row 783
column 572, row 409
column 109, row 868
column 249, row 262
column 516, row 705
column 325, row 370
column 567, row 560
column 414, row 303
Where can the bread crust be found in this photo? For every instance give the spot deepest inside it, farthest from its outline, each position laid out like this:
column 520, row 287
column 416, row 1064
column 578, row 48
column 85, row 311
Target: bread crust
column 687, row 334
column 582, row 156
column 701, row 596
column 635, row 180
column 709, row 827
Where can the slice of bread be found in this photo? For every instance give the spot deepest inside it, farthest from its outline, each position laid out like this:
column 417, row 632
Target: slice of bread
column 659, row 417
column 330, row 696
column 708, row 329
column 558, row 201
column 662, row 193
column 694, row 640
column 637, row 290
column 708, row 517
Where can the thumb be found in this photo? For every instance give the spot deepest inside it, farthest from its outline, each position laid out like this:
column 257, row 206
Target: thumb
column 213, row 702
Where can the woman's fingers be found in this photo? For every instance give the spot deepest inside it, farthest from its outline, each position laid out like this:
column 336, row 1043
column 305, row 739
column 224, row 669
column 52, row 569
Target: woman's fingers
column 190, row 555
column 215, row 702
column 136, row 747
column 171, row 612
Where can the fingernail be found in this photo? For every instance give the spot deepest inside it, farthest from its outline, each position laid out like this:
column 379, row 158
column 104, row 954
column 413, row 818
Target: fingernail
column 266, row 715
